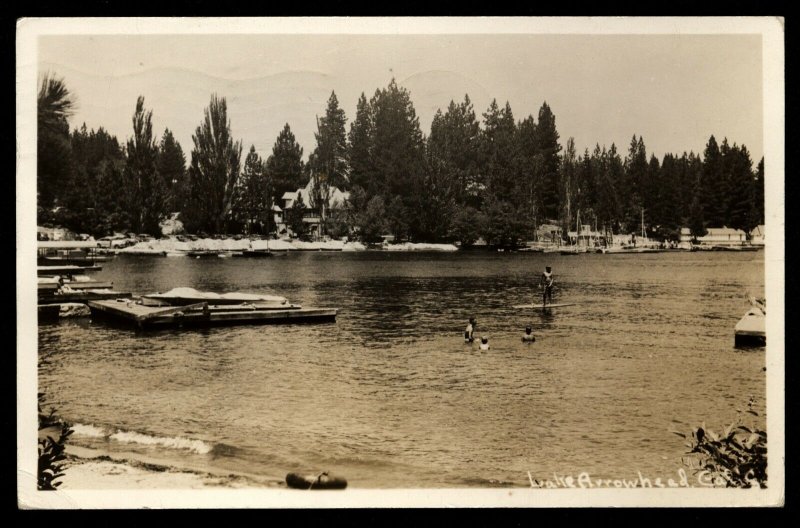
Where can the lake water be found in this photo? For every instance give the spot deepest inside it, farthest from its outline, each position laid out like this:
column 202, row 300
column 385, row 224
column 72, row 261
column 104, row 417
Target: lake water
column 389, row 395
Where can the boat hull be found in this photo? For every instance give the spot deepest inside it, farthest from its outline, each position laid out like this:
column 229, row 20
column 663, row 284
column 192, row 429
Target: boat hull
column 313, row 482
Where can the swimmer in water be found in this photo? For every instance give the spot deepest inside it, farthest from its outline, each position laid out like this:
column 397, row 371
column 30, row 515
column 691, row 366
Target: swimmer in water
column 484, row 343
column 470, row 330
column 528, row 337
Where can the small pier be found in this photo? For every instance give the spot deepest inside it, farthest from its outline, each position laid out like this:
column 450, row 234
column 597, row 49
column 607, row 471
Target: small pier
column 205, row 314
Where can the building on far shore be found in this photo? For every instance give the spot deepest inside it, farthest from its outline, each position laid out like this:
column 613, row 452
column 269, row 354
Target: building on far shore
column 757, row 236
column 716, row 236
column 311, row 217
column 586, row 237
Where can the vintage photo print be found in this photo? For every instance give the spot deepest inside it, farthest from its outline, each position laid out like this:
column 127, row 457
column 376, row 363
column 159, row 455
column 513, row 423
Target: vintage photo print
column 403, row 262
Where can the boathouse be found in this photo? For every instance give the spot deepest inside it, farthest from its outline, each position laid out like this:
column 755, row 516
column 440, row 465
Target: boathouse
column 717, row 236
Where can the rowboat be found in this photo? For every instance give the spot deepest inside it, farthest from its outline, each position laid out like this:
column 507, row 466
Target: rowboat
column 315, row 482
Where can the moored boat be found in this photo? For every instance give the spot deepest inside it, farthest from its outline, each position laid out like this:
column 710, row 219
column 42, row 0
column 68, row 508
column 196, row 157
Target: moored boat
column 254, row 253
column 751, row 330
column 186, row 296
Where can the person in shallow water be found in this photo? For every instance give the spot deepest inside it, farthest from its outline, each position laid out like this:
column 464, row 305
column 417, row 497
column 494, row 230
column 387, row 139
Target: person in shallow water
column 547, row 285
column 527, row 337
column 470, row 330
column 484, row 343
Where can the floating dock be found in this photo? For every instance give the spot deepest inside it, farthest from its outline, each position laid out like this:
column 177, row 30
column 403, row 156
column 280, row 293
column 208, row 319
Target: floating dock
column 65, row 270
column 205, row 314
column 79, row 296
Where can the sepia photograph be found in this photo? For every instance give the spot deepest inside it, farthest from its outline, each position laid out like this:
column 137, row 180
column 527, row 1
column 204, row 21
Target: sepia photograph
column 404, row 262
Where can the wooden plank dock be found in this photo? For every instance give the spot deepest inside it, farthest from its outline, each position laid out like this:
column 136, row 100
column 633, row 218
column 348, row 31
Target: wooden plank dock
column 65, row 270
column 203, row 314
column 80, row 296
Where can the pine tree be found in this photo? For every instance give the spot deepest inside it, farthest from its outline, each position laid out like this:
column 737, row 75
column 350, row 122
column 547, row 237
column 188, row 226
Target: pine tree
column 548, row 148
column 711, row 198
column 741, row 194
column 397, row 149
column 146, row 190
column 285, row 166
column 172, row 168
column 295, row 216
column 529, row 169
column 214, row 170
column 500, row 152
column 568, row 184
column 359, row 146
column 454, row 143
column 633, row 184
column 330, row 155
column 254, row 205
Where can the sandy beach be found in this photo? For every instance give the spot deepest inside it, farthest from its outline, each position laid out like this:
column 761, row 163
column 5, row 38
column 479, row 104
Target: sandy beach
column 89, row 469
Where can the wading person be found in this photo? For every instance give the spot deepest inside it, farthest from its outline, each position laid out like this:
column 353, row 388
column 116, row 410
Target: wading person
column 527, row 337
column 484, row 343
column 470, row 330
column 547, row 286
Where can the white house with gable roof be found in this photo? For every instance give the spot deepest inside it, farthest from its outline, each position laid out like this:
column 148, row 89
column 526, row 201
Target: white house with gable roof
column 337, row 198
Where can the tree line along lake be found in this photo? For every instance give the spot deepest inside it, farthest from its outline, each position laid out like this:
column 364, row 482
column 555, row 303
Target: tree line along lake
column 473, row 175
column 390, row 396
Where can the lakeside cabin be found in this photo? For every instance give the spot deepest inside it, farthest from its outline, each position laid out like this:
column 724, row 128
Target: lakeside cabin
column 312, row 218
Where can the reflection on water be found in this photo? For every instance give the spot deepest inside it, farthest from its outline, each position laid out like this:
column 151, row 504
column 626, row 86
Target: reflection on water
column 390, row 396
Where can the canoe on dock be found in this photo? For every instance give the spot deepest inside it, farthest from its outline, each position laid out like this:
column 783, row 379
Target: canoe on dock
column 206, row 314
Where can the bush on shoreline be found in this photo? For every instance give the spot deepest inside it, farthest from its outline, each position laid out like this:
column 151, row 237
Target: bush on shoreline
column 736, row 458
column 53, row 435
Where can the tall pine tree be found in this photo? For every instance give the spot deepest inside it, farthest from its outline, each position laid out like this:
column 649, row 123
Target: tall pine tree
column 285, row 165
column 146, row 190
column 214, row 170
column 172, row 168
column 548, row 148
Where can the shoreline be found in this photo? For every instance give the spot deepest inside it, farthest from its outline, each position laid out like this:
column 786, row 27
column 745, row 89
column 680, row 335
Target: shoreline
column 171, row 246
column 89, row 469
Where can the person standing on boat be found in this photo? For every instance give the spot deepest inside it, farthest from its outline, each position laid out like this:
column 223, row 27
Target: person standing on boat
column 547, row 285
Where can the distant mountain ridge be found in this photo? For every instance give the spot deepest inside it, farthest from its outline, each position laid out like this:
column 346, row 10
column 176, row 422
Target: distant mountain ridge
column 258, row 107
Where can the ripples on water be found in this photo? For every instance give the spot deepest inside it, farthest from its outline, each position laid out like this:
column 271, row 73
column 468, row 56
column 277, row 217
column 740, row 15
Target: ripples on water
column 390, row 396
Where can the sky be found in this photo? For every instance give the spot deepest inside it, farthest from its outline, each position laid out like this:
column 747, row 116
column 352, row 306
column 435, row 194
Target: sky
column 674, row 90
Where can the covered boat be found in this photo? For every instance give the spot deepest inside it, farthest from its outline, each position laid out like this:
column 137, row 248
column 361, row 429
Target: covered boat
column 185, row 296
column 751, row 330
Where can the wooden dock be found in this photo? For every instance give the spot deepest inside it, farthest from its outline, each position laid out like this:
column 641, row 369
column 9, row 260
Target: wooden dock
column 203, row 314
column 65, row 270
column 80, row 296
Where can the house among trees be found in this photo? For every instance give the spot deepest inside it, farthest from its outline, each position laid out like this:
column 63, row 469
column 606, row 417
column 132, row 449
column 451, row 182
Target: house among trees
column 309, row 206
